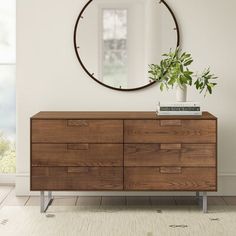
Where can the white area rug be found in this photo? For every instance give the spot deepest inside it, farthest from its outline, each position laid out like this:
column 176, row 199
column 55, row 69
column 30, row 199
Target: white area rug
column 117, row 221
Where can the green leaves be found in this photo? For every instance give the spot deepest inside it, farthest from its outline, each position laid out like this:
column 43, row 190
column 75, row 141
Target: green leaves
column 173, row 69
column 161, row 86
column 204, row 82
column 172, row 81
column 187, row 63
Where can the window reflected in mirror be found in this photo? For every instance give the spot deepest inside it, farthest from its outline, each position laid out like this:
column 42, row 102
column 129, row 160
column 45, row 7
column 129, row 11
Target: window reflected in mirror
column 114, row 47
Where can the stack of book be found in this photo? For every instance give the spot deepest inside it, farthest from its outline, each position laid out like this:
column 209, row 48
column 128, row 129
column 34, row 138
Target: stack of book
column 179, row 108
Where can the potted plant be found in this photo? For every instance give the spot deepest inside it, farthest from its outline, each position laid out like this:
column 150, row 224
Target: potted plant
column 173, row 71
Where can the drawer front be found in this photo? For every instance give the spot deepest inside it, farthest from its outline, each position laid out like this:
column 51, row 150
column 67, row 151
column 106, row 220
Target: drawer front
column 77, row 154
column 76, row 178
column 77, row 131
column 170, row 131
column 198, row 155
column 170, row 178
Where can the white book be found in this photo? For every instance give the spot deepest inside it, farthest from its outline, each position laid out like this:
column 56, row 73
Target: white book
column 179, row 113
column 179, row 109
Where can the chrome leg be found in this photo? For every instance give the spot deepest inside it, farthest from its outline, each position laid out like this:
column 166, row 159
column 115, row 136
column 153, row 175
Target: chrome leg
column 204, row 202
column 44, row 204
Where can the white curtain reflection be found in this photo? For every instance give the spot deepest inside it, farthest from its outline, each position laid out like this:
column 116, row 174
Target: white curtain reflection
column 7, row 31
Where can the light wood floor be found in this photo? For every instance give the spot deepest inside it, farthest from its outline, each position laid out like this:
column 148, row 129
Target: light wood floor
column 8, row 198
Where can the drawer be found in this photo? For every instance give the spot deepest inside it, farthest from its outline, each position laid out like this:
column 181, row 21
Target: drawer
column 76, row 178
column 170, row 178
column 77, row 131
column 77, row 154
column 198, row 155
column 170, row 131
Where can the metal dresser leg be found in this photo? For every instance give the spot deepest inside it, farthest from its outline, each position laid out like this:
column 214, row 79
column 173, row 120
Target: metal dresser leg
column 204, row 202
column 45, row 203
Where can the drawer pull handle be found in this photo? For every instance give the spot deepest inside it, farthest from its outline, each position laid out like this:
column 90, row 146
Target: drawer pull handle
column 170, row 170
column 77, row 146
column 164, row 123
column 170, row 147
column 78, row 170
column 78, row 123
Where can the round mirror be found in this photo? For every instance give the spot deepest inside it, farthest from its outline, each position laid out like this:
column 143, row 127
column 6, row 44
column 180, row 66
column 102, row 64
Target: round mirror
column 116, row 40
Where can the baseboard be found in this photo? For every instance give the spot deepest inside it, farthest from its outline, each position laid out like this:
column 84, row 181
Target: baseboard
column 226, row 187
column 7, row 179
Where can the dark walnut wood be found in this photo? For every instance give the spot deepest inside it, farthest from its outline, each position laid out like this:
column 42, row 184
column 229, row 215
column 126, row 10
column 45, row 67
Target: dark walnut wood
column 171, row 178
column 198, row 155
column 162, row 131
column 77, row 155
column 77, row 178
column 76, row 151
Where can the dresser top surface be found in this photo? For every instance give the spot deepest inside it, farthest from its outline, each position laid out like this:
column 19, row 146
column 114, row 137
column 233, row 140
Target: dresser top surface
column 135, row 115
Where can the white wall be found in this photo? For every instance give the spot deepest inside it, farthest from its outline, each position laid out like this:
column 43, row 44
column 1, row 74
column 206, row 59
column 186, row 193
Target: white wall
column 49, row 76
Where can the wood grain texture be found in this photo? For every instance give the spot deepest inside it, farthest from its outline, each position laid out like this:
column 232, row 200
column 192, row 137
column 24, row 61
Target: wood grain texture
column 58, row 131
column 150, row 131
column 77, row 155
column 119, row 115
column 77, row 178
column 195, row 155
column 164, row 123
column 170, row 170
column 117, row 150
column 174, row 146
column 150, row 178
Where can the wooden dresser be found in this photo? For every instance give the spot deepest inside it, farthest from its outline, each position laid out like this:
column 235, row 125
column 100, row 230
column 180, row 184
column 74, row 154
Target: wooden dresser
column 130, row 151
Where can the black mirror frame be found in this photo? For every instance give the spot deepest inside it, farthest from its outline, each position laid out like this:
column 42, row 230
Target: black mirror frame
column 76, row 47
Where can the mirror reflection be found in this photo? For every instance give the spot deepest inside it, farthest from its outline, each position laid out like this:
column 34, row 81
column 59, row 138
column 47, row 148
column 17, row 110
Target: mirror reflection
column 116, row 40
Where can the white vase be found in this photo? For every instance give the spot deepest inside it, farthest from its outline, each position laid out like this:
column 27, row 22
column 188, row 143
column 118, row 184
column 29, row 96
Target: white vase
column 181, row 93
